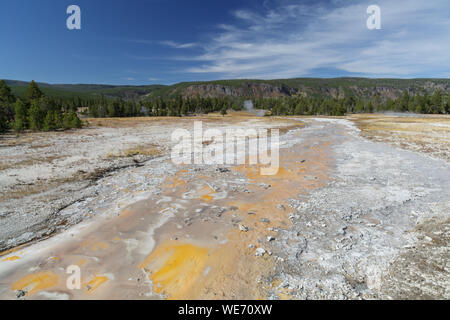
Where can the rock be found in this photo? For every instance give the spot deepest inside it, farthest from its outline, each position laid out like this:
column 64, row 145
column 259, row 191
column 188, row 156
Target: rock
column 260, row 252
column 265, row 220
column 299, row 253
column 270, row 238
column 188, row 221
column 235, row 221
column 20, row 294
column 243, row 228
column 265, row 185
column 223, row 170
column 281, row 207
column 251, row 246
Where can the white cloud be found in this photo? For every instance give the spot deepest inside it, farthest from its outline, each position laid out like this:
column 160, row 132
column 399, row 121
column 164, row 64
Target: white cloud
column 178, row 45
column 293, row 40
column 168, row 43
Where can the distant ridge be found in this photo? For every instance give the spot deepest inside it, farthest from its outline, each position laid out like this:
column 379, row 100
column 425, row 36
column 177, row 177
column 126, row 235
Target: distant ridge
column 323, row 87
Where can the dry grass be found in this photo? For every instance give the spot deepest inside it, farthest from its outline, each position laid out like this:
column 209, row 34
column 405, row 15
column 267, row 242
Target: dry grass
column 20, row 191
column 428, row 134
column 134, row 122
column 30, row 162
column 147, row 150
column 150, row 150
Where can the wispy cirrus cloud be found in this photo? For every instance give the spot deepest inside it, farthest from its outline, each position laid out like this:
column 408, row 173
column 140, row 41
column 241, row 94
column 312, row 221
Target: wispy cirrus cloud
column 291, row 40
column 167, row 43
column 178, row 45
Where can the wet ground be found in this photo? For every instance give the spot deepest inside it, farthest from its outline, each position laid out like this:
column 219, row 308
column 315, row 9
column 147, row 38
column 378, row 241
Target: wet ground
column 344, row 218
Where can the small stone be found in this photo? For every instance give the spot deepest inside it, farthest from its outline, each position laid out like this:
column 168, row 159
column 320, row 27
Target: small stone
column 270, row 238
column 243, row 228
column 265, row 185
column 264, row 220
column 251, row 246
column 260, row 252
column 281, row 207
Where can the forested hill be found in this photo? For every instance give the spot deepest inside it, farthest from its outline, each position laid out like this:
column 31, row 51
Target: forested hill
column 85, row 91
column 307, row 87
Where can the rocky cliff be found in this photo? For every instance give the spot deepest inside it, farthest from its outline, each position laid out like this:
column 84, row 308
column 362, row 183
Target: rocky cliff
column 336, row 88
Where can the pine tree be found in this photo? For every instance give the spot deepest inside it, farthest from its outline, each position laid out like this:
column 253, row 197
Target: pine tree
column 436, row 102
column 223, row 111
column 21, row 121
column 36, row 116
column 6, row 95
column 33, row 92
column 6, row 106
column 52, row 121
column 359, row 108
column 404, row 102
column 3, row 122
column 67, row 121
column 75, row 121
column 48, row 122
column 184, row 109
column 71, row 120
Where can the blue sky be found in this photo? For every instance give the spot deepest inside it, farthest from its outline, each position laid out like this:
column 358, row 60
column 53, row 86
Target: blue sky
column 168, row 41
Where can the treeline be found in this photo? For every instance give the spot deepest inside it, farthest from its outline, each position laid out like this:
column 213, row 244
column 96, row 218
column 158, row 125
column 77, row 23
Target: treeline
column 438, row 103
column 159, row 107
column 40, row 113
column 35, row 112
